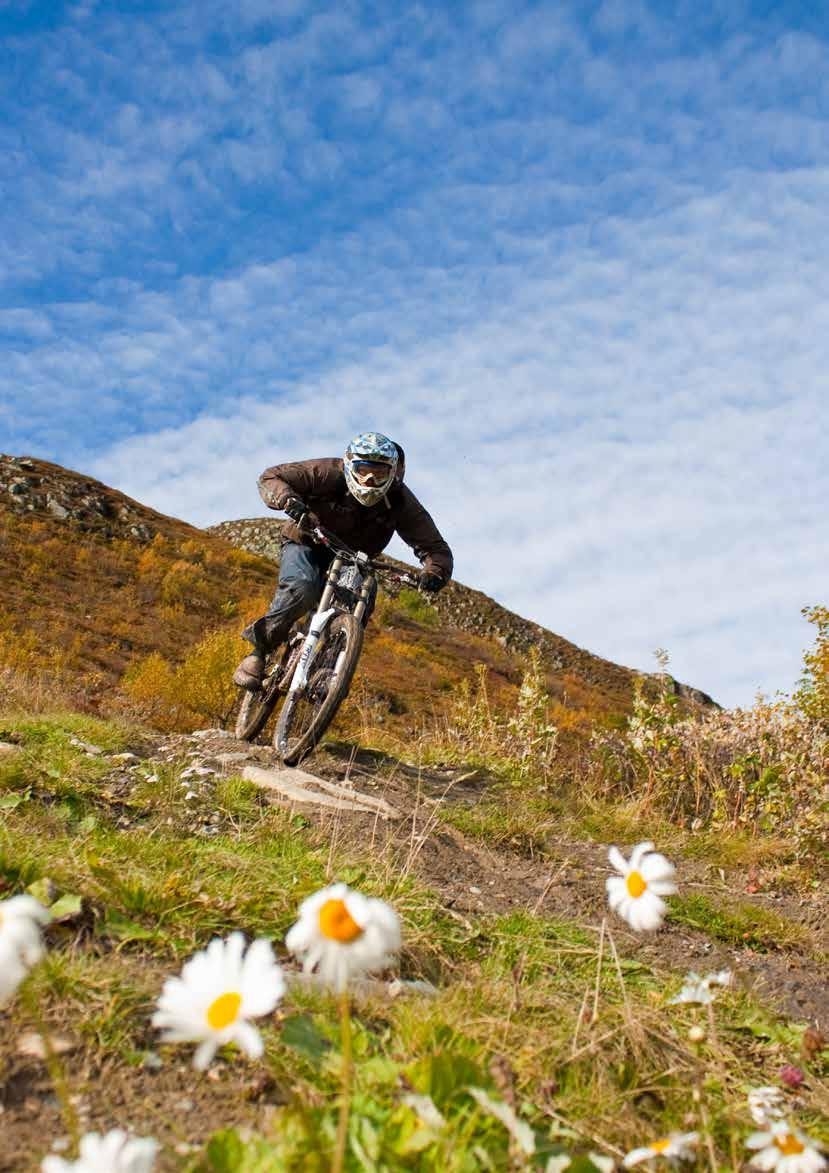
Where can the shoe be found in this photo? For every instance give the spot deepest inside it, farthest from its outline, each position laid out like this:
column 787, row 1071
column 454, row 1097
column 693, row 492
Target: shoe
column 250, row 672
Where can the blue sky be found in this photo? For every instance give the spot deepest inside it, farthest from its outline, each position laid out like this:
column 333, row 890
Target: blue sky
column 574, row 257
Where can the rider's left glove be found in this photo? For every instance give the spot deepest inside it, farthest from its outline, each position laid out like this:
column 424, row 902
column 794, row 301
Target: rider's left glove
column 295, row 508
column 427, row 581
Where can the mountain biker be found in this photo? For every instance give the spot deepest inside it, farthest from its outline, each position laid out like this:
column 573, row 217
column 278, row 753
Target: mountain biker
column 362, row 500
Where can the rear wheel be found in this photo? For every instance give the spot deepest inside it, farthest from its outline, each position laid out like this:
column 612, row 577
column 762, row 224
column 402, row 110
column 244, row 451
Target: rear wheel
column 308, row 712
column 256, row 707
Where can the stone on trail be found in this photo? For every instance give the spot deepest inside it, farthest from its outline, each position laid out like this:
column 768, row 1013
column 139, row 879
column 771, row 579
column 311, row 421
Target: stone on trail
column 227, row 759
column 7, row 749
column 299, row 786
column 86, row 746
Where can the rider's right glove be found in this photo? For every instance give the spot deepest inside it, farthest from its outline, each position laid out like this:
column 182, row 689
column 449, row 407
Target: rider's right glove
column 295, row 508
column 430, row 582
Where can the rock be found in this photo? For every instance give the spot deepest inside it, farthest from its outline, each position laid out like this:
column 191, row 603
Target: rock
column 197, row 772
column 125, row 757
column 227, row 759
column 7, row 749
column 87, row 747
column 31, row 1045
column 56, row 509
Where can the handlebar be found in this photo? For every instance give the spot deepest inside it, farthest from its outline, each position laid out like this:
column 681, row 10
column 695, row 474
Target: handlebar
column 325, row 538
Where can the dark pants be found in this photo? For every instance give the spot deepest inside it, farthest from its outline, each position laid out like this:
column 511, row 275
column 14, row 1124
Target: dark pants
column 302, row 573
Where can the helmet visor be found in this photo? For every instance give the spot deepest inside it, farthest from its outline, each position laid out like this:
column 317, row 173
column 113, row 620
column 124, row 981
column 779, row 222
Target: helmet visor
column 371, row 472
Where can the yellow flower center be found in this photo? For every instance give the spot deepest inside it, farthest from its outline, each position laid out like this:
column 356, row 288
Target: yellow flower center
column 657, row 1146
column 789, row 1145
column 223, row 1011
column 636, row 885
column 337, row 923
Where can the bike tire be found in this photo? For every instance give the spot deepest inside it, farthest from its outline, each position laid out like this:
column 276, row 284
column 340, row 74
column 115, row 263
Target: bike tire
column 255, row 709
column 303, row 720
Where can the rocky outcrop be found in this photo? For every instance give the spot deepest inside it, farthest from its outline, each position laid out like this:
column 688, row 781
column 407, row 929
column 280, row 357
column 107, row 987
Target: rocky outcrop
column 469, row 610
column 32, row 487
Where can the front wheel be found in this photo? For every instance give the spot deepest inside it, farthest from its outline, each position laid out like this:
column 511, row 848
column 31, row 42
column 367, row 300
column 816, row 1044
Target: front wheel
column 308, row 712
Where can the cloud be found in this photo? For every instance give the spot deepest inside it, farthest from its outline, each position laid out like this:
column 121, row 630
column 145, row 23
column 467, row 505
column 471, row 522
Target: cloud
column 628, row 451
column 575, row 261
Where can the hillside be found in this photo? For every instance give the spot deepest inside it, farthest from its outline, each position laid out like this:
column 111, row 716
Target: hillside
column 474, row 780
column 93, row 582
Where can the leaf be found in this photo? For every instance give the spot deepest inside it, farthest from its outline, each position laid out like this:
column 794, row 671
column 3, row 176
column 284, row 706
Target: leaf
column 443, row 1076
column 66, row 907
column 225, row 1151
column 519, row 1130
column 300, row 1033
column 124, row 929
column 10, row 802
column 42, row 890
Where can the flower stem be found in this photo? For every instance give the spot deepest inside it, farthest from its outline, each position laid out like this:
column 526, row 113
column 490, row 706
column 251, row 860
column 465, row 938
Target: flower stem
column 347, row 1072
column 28, row 997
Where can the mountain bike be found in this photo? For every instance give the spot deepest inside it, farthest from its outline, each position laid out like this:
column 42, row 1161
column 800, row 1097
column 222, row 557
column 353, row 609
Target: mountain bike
column 315, row 667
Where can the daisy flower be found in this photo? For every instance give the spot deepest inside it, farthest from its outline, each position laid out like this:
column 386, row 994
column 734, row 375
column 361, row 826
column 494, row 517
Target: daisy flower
column 636, row 893
column 21, row 940
column 341, row 934
column 766, row 1104
column 220, row 988
column 12, row 973
column 678, row 1146
column 699, row 989
column 785, row 1149
column 113, row 1153
column 21, row 919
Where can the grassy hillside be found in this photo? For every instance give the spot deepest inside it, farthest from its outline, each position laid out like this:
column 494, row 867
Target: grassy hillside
column 93, row 583
column 475, row 779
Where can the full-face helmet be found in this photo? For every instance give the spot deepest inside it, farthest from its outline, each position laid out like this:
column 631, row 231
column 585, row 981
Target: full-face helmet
column 370, row 464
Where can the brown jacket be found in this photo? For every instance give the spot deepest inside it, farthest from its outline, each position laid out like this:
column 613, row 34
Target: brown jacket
column 322, row 486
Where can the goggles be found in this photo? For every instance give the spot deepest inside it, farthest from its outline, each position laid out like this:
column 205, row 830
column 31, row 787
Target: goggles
column 370, row 472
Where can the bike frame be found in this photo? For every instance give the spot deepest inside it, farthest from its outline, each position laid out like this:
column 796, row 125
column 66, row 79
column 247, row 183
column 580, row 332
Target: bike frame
column 325, row 611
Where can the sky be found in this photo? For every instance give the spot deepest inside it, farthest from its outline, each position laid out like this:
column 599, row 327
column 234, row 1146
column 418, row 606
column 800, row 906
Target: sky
column 573, row 256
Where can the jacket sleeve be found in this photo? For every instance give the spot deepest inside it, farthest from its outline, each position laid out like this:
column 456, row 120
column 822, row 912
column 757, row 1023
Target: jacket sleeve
column 416, row 528
column 304, row 479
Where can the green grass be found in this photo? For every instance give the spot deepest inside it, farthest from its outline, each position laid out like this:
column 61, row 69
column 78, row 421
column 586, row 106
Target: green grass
column 739, row 922
column 512, row 1012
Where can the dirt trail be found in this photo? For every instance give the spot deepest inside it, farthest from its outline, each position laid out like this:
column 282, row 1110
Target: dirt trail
column 567, row 882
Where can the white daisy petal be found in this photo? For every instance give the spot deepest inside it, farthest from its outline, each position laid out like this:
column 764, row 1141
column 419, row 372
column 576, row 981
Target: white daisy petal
column 219, row 989
column 21, row 940
column 341, row 934
column 638, row 854
column 766, row 1104
column 115, row 1152
column 677, row 1147
column 784, row 1149
column 636, row 894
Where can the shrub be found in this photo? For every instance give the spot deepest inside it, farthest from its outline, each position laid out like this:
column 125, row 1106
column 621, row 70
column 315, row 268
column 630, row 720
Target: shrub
column 812, row 696
column 757, row 768
column 525, row 743
column 198, row 690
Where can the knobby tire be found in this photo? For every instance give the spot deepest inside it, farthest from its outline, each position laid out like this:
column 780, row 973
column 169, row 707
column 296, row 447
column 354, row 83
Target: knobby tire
column 255, row 709
column 308, row 712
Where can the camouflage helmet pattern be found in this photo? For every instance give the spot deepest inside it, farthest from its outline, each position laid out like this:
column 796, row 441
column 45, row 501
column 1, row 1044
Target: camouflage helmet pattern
column 379, row 449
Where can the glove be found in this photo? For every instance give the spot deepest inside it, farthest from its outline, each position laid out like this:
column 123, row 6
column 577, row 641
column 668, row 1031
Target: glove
column 295, row 508
column 427, row 581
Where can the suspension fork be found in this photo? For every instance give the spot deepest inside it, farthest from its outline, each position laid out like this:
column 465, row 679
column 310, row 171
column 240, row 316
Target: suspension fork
column 319, row 622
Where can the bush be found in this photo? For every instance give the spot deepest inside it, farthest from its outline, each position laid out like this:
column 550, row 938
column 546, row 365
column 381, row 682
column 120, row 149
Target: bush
column 760, row 768
column 812, row 697
column 524, row 743
column 198, row 690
